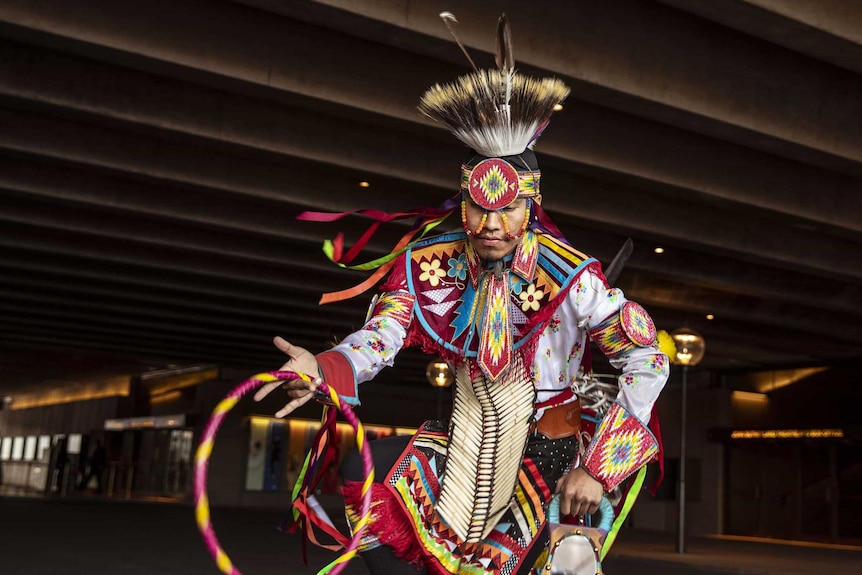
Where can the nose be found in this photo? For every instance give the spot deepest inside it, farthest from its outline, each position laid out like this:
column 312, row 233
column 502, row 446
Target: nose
column 494, row 221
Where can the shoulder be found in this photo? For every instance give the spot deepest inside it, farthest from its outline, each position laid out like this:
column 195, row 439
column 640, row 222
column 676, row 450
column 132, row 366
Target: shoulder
column 562, row 262
column 566, row 252
column 424, row 251
column 428, row 248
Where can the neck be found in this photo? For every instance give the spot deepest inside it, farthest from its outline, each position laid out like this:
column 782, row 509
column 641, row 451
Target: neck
column 498, row 269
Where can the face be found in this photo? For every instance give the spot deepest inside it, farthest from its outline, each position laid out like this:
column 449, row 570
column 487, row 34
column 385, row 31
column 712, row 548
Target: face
column 492, row 243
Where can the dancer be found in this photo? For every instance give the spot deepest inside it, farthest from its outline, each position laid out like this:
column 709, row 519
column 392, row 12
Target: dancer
column 512, row 307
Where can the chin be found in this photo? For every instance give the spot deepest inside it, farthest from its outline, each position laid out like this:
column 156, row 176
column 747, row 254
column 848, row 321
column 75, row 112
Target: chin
column 496, row 252
column 493, row 255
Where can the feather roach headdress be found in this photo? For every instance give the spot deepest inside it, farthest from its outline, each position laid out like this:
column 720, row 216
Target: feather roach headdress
column 499, row 114
column 496, row 112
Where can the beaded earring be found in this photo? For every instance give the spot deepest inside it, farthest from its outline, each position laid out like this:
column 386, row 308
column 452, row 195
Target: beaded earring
column 524, row 224
column 464, row 220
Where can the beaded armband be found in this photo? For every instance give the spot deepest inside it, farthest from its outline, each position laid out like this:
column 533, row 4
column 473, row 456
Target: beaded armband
column 397, row 306
column 621, row 446
column 620, row 332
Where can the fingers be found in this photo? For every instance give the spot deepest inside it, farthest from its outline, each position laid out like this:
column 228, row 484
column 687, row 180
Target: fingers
column 577, row 497
column 576, row 506
column 266, row 389
column 283, row 345
column 292, row 386
column 294, row 404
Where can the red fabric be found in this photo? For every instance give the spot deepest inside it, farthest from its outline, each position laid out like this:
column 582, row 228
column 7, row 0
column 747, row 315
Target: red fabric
column 388, row 522
column 337, row 373
column 397, row 279
column 559, row 399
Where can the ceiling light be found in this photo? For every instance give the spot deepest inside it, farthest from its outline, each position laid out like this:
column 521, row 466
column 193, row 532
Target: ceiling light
column 659, row 250
column 558, row 107
column 749, row 396
column 364, row 184
column 710, row 316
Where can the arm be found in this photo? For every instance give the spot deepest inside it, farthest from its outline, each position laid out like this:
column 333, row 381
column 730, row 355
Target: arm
column 357, row 358
column 360, row 356
column 625, row 334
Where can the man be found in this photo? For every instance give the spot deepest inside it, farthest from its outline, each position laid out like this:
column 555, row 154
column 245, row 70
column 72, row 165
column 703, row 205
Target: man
column 512, row 307
column 97, row 463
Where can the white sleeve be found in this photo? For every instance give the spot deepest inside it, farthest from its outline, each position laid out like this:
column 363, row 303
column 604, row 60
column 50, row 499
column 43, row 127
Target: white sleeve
column 621, row 329
column 375, row 345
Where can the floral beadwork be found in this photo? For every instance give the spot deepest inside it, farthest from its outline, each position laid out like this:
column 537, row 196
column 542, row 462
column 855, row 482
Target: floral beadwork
column 580, row 291
column 554, row 324
column 631, row 380
column 457, row 267
column 531, row 297
column 657, row 363
column 378, row 346
column 431, row 272
column 378, row 324
column 517, row 283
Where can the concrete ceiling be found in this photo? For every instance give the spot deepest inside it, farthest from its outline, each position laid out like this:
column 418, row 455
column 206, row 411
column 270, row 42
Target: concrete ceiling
column 153, row 156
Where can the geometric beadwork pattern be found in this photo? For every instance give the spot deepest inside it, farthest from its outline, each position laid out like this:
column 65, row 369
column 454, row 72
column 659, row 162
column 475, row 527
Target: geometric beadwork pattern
column 440, row 309
column 495, row 339
column 438, row 295
column 637, row 324
column 397, row 306
column 620, row 447
column 611, row 338
column 493, row 184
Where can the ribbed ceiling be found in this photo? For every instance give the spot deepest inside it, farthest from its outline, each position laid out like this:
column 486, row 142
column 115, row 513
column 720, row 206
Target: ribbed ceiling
column 154, row 155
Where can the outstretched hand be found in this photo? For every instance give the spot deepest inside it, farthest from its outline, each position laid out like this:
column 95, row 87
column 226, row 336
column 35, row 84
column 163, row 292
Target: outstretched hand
column 298, row 390
column 579, row 493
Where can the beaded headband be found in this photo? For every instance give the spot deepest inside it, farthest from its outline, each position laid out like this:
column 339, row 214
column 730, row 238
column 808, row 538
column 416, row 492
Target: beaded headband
column 494, row 183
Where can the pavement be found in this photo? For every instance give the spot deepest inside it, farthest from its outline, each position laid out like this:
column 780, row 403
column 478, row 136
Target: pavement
column 730, row 555
column 94, row 536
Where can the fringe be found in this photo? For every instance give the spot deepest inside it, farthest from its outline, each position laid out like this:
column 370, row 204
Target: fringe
column 388, row 522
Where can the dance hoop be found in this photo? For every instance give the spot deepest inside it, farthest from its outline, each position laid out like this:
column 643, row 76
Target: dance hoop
column 202, row 456
column 602, row 519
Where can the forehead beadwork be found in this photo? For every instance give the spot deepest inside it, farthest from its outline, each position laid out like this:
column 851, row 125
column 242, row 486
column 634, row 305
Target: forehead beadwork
column 493, row 184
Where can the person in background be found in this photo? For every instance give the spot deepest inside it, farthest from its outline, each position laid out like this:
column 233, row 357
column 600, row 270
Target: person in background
column 95, row 467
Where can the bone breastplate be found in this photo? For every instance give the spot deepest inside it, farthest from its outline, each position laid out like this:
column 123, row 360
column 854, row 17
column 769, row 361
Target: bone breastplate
column 488, row 434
